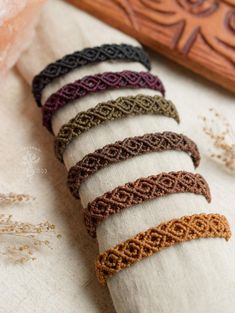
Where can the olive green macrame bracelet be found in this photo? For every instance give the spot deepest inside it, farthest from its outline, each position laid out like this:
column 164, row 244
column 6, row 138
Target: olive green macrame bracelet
column 108, row 111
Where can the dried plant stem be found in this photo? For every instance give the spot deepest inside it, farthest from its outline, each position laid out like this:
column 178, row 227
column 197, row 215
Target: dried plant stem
column 222, row 136
column 26, row 238
column 11, row 198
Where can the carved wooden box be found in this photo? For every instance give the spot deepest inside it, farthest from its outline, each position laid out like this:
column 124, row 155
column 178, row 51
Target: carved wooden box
column 199, row 34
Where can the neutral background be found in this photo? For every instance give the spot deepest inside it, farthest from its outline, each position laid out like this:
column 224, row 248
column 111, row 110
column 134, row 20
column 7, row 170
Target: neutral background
column 63, row 279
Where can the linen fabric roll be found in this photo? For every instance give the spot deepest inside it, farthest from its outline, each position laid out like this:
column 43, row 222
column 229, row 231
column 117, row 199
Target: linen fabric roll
column 193, row 277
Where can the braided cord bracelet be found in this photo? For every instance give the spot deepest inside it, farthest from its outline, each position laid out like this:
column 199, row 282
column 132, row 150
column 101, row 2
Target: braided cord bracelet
column 126, row 149
column 108, row 111
column 86, row 56
column 141, row 190
column 95, row 83
column 155, row 239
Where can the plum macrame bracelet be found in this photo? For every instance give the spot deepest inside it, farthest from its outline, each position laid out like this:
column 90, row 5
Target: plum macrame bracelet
column 126, row 149
column 155, row 239
column 86, row 56
column 141, row 190
column 108, row 111
column 95, row 83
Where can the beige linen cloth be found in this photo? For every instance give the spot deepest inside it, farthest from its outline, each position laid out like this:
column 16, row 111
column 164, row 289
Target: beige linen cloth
column 197, row 276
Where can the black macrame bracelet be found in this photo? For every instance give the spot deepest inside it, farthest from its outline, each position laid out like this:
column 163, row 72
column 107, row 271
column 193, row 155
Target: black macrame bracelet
column 86, row 56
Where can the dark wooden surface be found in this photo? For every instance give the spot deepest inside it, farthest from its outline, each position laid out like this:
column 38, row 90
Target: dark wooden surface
column 197, row 34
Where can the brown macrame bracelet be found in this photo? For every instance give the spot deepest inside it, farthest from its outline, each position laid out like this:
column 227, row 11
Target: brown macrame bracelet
column 108, row 111
column 126, row 149
column 141, row 190
column 155, row 239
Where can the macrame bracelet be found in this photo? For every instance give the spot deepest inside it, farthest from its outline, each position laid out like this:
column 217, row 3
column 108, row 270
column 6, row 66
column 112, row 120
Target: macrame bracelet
column 86, row 56
column 141, row 190
column 126, row 149
column 158, row 238
column 95, row 83
column 108, row 111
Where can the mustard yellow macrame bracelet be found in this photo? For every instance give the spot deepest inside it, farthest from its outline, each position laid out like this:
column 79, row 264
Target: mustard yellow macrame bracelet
column 158, row 238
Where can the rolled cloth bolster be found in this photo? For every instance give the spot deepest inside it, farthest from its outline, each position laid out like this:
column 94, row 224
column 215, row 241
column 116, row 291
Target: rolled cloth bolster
column 186, row 278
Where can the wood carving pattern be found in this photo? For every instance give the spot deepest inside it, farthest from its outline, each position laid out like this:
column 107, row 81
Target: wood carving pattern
column 194, row 18
column 197, row 33
column 197, row 18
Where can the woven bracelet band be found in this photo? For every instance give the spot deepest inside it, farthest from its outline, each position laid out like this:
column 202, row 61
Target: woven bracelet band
column 141, row 190
column 155, row 239
column 126, row 149
column 86, row 56
column 95, row 83
column 108, row 111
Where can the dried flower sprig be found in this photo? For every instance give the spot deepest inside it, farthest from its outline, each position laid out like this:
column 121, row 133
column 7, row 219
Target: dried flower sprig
column 222, row 136
column 21, row 240
column 12, row 198
column 28, row 238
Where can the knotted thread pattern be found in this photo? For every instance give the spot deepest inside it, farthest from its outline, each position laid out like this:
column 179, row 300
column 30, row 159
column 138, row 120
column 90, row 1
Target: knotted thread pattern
column 96, row 83
column 86, row 56
column 108, row 111
column 141, row 190
column 155, row 239
column 126, row 149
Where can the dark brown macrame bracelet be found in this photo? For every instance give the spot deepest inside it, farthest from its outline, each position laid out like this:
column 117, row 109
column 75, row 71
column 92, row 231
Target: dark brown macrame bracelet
column 86, row 56
column 141, row 190
column 108, row 111
column 126, row 149
column 155, row 239
column 95, row 83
